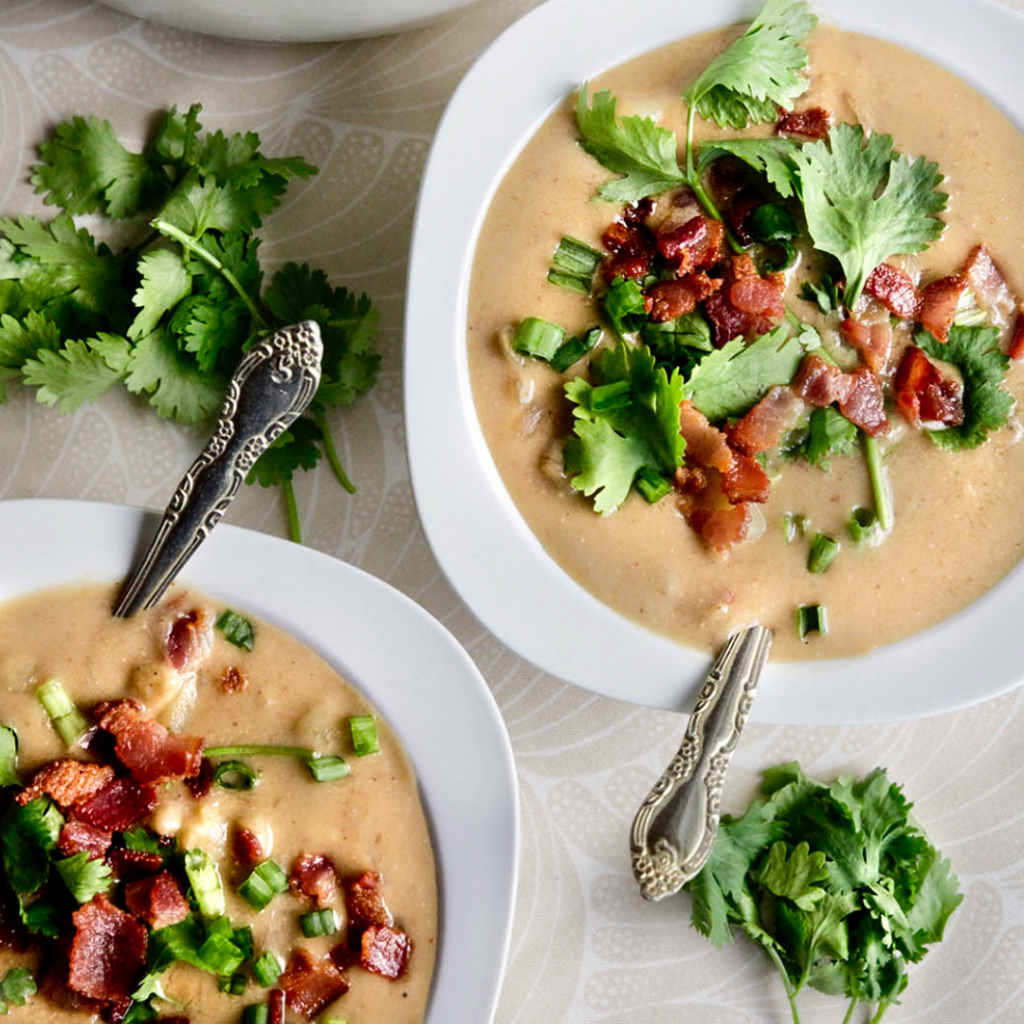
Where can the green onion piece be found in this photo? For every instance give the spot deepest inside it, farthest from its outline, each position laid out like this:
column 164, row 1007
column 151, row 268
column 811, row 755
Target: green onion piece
column 576, row 257
column 220, row 926
column 267, row 969
column 236, row 629
column 236, row 775
column 793, row 526
column 233, row 984
column 823, row 550
column 265, row 882
column 364, row 735
column 261, row 750
column 220, row 955
column 538, row 338
column 69, row 722
column 205, row 881
column 879, row 484
column 8, row 757
column 327, row 769
column 570, row 281
column 318, row 922
column 652, row 484
column 863, row 526
column 573, row 350
column 617, row 395
column 243, row 939
column 811, row 618
column 258, row 1013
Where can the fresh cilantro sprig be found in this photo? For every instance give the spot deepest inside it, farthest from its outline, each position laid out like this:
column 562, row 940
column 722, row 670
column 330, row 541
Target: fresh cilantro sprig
column 17, row 987
column 828, row 433
column 836, row 883
column 170, row 316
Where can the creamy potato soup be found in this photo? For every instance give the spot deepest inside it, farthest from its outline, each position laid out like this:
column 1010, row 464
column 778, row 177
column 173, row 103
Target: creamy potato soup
column 202, row 822
column 955, row 524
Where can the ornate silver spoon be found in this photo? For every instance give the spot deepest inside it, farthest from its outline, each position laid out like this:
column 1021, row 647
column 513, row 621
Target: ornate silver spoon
column 675, row 828
column 271, row 387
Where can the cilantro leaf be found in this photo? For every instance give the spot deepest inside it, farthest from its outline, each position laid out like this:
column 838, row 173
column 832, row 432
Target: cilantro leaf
column 84, row 877
column 623, row 306
column 635, row 146
column 937, row 898
column 8, row 757
column 792, row 874
column 43, row 916
column 165, row 282
column 17, row 987
column 759, row 72
column 775, row 158
column 295, row 449
column 209, row 329
column 614, row 444
column 728, row 381
column 828, row 432
column 21, row 340
column 864, row 202
column 75, row 374
column 28, row 834
column 975, row 352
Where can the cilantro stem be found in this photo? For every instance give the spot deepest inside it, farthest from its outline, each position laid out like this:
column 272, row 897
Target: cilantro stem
column 786, row 983
column 188, row 242
column 879, row 484
column 294, row 527
column 331, row 451
column 882, row 1007
column 849, row 1013
column 693, row 180
column 260, row 750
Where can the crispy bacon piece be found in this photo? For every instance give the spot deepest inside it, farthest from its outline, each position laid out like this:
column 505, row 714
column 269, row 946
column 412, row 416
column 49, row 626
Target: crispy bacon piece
column 763, row 426
column 157, row 900
column 706, row 445
column 819, row 383
column 922, row 393
column 872, row 341
column 275, row 1005
column 118, row 806
column 314, row 877
column 145, row 747
column 246, row 847
column 189, row 640
column 938, row 304
column 667, row 300
column 813, row 123
column 107, row 953
column 745, row 304
column 130, row 864
column 859, row 394
column 364, row 903
column 989, row 284
column 201, row 784
column 233, row 680
column 78, row 837
column 67, row 782
column 116, row 1011
column 628, row 238
column 385, row 951
column 719, row 528
column 640, row 211
column 745, row 481
column 690, row 480
column 895, row 290
column 691, row 246
column 625, row 266
column 1016, row 349
column 310, row 985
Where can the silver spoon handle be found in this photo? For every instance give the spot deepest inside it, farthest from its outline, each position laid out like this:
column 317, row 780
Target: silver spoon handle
column 675, row 828
column 271, row 387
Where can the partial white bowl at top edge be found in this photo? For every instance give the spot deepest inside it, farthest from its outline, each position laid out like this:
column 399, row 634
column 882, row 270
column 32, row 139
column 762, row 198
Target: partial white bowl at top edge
column 484, row 546
column 407, row 664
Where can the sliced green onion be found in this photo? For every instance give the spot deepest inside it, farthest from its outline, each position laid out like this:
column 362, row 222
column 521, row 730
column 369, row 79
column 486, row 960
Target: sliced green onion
column 574, row 349
column 236, row 775
column 617, row 395
column 220, row 926
column 811, row 618
column 318, row 922
column 823, row 550
column 258, row 1013
column 652, row 484
column 243, row 939
column 69, row 722
column 793, row 526
column 261, row 750
column 572, row 282
column 8, row 757
column 233, row 984
column 538, row 338
column 265, row 882
column 220, row 955
column 205, row 881
column 576, row 257
column 236, row 629
column 863, row 526
column 364, row 735
column 327, row 769
column 267, row 969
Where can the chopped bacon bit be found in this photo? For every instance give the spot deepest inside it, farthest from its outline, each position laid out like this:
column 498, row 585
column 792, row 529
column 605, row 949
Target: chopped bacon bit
column 145, row 747
column 344, row 956
column 813, row 123
column 922, row 393
column 758, row 296
column 625, row 266
column 762, row 428
column 77, row 837
column 275, row 1004
column 129, row 864
column 311, row 985
column 746, row 481
column 737, row 212
column 667, row 300
column 189, row 640
column 201, row 784
column 314, row 877
column 864, row 403
column 819, row 383
column 638, row 212
column 895, row 290
column 118, row 806
column 67, row 782
column 745, row 304
column 233, row 680
column 690, row 480
column 719, row 528
column 693, row 245
column 157, row 900
column 938, row 304
column 385, row 951
column 1016, row 349
column 988, row 282
column 632, row 239
column 107, row 953
column 364, row 903
column 872, row 341
column 706, row 445
column 247, row 848
column 116, row 1011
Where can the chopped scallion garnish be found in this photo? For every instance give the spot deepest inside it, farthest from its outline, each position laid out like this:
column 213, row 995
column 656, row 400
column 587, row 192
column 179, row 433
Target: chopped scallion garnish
column 234, row 984
column 8, row 757
column 206, row 885
column 863, row 526
column 574, row 349
column 318, row 922
column 811, row 618
column 221, row 955
column 258, row 1013
column 574, row 264
column 236, row 775
column 243, row 939
column 793, row 526
column 823, row 550
column 265, row 882
column 69, row 722
column 236, row 629
column 267, row 969
column 652, row 484
column 364, row 735
column 327, row 769
column 538, row 338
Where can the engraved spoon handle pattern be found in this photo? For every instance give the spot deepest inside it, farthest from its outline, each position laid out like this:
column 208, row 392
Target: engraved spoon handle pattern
column 271, row 387
column 675, row 828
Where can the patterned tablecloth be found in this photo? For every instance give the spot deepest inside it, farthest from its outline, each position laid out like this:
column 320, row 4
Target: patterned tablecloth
column 585, row 947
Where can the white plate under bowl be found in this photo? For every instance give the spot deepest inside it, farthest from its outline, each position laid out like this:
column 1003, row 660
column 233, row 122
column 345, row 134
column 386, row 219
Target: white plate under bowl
column 405, row 662
column 488, row 552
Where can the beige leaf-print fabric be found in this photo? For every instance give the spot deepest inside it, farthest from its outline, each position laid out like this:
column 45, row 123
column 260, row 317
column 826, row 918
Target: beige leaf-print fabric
column 585, row 949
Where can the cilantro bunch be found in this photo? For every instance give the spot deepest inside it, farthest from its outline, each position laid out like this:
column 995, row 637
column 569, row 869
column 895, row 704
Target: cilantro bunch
column 836, row 883
column 170, row 314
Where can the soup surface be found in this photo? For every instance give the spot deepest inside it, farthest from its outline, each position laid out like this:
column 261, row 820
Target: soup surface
column 956, row 526
column 364, row 831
